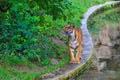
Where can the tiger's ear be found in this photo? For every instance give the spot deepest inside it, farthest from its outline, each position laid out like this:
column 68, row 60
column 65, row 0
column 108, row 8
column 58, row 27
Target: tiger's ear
column 73, row 26
column 69, row 22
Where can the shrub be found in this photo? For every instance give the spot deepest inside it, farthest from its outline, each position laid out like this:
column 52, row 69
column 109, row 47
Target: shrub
column 19, row 32
column 20, row 35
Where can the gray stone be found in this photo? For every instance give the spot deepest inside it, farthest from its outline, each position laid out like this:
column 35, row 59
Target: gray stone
column 113, row 33
column 103, row 36
column 111, row 74
column 103, row 52
column 101, row 66
column 54, row 61
column 118, row 42
column 118, row 27
column 48, row 75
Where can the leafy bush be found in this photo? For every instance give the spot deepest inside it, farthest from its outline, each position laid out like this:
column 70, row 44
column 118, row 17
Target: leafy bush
column 20, row 34
column 18, row 31
column 55, row 8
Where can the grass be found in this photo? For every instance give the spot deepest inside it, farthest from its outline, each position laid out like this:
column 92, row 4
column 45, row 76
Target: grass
column 7, row 73
column 97, row 20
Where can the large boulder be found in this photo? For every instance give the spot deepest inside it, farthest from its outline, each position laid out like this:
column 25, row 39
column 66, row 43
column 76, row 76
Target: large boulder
column 113, row 33
column 103, row 36
column 101, row 66
column 106, row 45
column 103, row 52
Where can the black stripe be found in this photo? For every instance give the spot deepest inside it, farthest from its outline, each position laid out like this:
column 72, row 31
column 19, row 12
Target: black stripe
column 73, row 48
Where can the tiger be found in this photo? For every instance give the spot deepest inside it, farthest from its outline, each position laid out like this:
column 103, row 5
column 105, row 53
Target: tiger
column 74, row 41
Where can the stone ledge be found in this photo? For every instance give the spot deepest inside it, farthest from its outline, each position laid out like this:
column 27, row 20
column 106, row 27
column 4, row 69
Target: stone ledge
column 67, row 71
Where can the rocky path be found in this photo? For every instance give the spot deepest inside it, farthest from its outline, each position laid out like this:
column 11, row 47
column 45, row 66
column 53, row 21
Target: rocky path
column 68, row 70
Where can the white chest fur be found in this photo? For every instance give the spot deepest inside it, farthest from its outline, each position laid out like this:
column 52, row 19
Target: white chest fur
column 73, row 42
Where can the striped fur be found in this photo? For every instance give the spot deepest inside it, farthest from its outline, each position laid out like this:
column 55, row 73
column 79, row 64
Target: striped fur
column 74, row 41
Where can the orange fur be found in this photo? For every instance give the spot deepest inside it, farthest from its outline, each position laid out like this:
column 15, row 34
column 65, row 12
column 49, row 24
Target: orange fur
column 74, row 41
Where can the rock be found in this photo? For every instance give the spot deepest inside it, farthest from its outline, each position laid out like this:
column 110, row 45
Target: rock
column 101, row 66
column 107, row 44
column 119, row 65
column 103, row 52
column 113, row 43
column 116, row 57
column 104, row 36
column 109, row 36
column 118, row 27
column 48, row 75
column 111, row 74
column 118, row 42
column 114, row 51
column 113, row 33
column 96, row 41
column 94, row 63
column 54, row 61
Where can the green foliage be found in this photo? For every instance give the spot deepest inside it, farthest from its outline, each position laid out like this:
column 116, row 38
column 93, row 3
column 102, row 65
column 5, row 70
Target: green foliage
column 96, row 21
column 5, row 5
column 61, row 51
column 22, row 37
column 55, row 8
column 45, row 62
column 4, row 75
column 15, row 75
column 12, row 74
column 18, row 31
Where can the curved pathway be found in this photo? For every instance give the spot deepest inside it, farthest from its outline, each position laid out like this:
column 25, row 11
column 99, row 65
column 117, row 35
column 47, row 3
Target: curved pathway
column 69, row 70
column 87, row 41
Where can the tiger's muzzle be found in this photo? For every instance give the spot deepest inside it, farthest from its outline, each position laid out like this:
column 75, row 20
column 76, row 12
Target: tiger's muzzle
column 67, row 32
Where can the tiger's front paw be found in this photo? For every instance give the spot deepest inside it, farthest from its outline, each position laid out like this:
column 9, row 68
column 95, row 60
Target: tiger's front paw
column 72, row 61
column 77, row 60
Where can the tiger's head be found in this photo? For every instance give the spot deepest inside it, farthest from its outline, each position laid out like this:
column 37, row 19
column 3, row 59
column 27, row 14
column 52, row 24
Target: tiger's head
column 68, row 29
